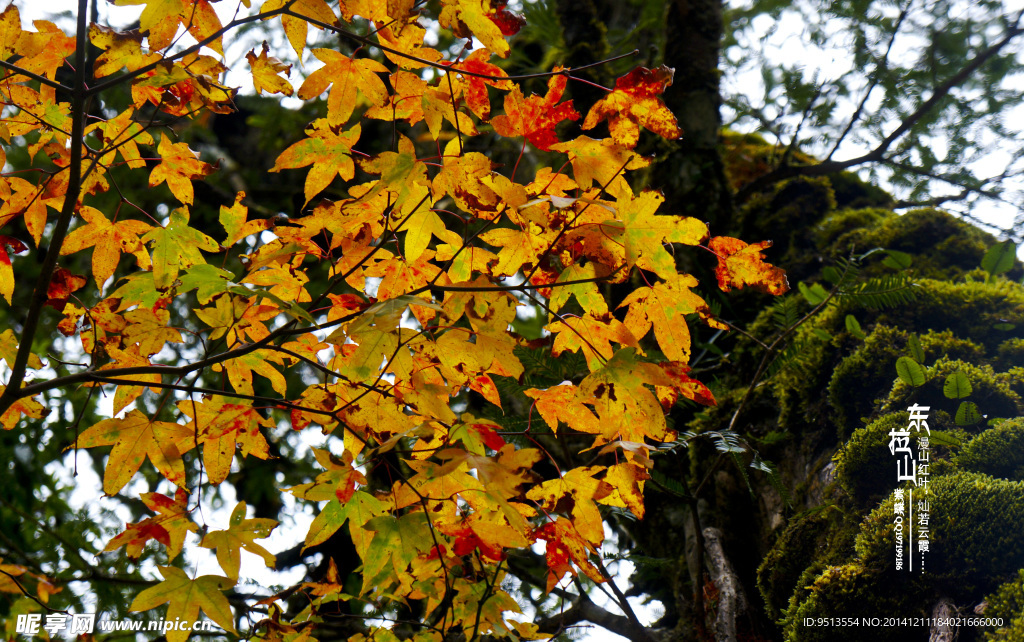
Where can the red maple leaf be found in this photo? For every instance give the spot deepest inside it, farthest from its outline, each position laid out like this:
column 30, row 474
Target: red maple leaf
column 509, row 23
column 536, row 117
column 62, row 284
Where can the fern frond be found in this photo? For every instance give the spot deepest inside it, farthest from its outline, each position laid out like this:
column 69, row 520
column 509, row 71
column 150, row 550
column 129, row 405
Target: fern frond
column 795, row 355
column 785, row 312
column 886, row 291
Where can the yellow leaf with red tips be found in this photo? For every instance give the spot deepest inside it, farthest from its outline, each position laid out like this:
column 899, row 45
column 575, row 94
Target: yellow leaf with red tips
column 741, row 265
column 636, row 101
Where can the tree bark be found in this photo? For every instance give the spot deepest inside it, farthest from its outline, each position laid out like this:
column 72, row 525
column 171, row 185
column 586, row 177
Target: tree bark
column 692, row 175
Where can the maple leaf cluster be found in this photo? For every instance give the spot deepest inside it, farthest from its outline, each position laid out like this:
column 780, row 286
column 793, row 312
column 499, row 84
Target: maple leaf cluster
column 428, row 263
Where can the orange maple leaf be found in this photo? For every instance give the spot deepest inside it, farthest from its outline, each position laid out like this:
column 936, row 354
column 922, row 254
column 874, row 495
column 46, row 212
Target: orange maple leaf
column 219, row 426
column 636, row 101
column 475, row 87
column 26, row 406
column 110, row 241
column 564, row 547
column 62, row 284
column 575, row 493
column 593, row 333
column 536, row 117
column 740, row 265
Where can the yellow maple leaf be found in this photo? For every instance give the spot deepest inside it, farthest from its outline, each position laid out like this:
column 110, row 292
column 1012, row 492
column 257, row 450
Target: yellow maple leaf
column 663, row 306
column 346, row 77
column 178, row 166
column 240, row 534
column 135, row 438
column 266, row 70
column 329, row 152
column 186, row 598
column 110, row 241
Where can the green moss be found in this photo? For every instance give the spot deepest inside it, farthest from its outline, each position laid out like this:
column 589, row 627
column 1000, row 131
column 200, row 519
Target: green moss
column 943, row 343
column 977, row 526
column 1010, row 353
column 1016, row 377
column 865, row 468
column 1007, row 603
column 969, row 310
column 991, row 391
column 845, row 222
column 852, row 192
column 864, row 376
column 804, row 540
column 998, row 451
column 942, row 245
column 855, row 591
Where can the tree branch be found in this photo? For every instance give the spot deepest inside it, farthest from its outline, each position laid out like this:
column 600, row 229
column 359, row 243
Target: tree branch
column 878, row 153
column 732, row 602
column 41, row 79
column 60, row 230
column 584, row 610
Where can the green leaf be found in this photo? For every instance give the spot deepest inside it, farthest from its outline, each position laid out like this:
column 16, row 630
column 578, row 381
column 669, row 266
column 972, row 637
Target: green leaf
column 396, row 543
column 137, row 289
column 831, row 274
column 814, row 294
column 967, row 414
column 669, row 485
column 943, row 438
column 957, row 386
column 853, row 327
column 360, row 508
column 1005, row 327
column 175, row 247
column 999, row 258
column 207, row 279
column 910, row 372
column 914, row 345
column 888, row 291
column 897, row 260
column 821, row 334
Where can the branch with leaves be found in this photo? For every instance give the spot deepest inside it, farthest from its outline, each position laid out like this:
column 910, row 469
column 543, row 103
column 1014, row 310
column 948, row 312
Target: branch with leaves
column 385, row 311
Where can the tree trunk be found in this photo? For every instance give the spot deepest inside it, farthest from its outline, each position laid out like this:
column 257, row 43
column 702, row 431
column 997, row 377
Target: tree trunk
column 692, row 175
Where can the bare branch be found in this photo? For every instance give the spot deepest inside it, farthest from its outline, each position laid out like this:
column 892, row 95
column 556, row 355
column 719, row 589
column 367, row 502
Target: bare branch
column 878, row 153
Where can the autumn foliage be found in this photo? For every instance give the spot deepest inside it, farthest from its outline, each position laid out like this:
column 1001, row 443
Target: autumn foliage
column 429, row 253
